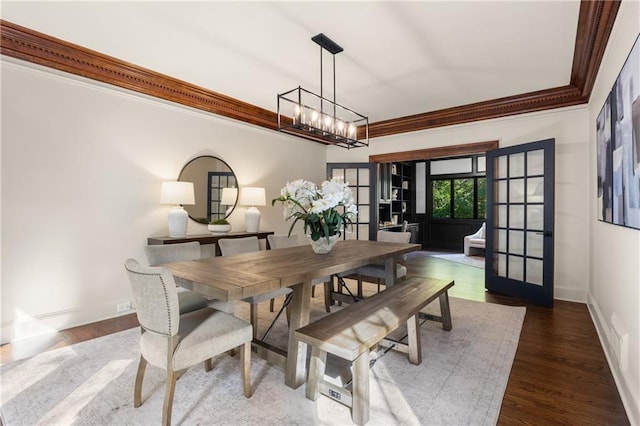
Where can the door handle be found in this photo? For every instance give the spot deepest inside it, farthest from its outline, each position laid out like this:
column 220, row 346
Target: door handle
column 545, row 233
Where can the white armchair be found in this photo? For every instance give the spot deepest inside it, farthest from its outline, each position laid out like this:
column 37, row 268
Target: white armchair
column 476, row 240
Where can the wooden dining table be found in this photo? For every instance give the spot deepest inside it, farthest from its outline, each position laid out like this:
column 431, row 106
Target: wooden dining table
column 249, row 274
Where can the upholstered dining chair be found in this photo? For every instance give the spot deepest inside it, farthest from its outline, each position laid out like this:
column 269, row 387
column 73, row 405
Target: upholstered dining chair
column 278, row 241
column 181, row 252
column 175, row 342
column 233, row 246
column 376, row 270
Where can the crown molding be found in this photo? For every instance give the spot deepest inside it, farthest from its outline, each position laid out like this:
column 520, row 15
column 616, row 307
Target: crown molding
column 32, row 46
column 595, row 22
column 519, row 104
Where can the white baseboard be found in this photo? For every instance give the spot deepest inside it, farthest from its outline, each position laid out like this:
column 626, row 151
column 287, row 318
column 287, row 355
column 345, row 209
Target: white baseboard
column 30, row 327
column 570, row 294
column 630, row 401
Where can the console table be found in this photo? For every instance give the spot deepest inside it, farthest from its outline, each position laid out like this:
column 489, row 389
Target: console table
column 208, row 238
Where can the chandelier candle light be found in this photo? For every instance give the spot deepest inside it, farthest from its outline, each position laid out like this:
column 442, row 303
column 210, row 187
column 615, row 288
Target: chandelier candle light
column 317, row 118
column 325, row 211
column 177, row 193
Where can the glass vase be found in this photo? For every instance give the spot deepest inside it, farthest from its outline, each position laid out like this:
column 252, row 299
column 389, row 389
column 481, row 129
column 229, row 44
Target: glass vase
column 321, row 246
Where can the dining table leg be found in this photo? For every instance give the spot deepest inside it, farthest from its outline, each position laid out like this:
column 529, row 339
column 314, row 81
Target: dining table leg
column 390, row 271
column 295, row 373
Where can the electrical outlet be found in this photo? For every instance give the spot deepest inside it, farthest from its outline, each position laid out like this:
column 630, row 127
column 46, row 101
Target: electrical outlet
column 124, row 306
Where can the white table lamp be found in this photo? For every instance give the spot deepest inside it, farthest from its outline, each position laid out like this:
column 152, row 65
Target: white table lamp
column 252, row 197
column 229, row 197
column 177, row 193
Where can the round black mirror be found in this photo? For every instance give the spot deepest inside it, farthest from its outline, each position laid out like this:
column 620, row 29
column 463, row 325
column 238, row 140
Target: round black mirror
column 215, row 186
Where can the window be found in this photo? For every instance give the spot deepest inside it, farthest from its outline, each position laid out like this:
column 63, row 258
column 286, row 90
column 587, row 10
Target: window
column 457, row 188
column 461, row 198
column 441, row 191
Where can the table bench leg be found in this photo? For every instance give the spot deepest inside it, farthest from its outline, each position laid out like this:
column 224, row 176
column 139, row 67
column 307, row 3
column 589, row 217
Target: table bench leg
column 317, row 366
column 445, row 312
column 413, row 334
column 360, row 389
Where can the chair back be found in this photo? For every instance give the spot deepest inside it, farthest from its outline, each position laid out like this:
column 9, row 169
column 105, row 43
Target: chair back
column 394, row 237
column 231, row 246
column 277, row 241
column 155, row 297
column 159, row 254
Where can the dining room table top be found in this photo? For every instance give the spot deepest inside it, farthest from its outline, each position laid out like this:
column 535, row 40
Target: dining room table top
column 249, row 274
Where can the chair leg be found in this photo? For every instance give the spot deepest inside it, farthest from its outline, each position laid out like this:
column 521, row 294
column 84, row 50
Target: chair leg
column 208, row 365
column 167, row 406
column 313, row 291
column 254, row 318
column 272, row 305
column 245, row 372
column 359, row 294
column 137, row 388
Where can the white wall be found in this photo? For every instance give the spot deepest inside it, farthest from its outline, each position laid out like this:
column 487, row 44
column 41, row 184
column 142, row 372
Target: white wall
column 570, row 128
column 81, row 171
column 614, row 285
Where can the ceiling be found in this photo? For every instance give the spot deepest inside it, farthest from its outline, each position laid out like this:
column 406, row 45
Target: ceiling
column 399, row 59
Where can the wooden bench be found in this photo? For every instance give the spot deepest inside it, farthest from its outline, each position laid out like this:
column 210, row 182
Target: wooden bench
column 351, row 332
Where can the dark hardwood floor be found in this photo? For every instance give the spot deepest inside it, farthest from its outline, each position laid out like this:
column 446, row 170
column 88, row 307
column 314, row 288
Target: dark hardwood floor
column 559, row 374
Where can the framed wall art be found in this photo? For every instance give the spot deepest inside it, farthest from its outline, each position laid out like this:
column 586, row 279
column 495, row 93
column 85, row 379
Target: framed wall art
column 618, row 147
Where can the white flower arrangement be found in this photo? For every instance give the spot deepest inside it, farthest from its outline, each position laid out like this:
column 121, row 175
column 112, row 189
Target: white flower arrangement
column 324, row 211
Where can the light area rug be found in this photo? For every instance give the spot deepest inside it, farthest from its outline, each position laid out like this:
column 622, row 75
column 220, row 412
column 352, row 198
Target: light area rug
column 461, row 381
column 475, row 261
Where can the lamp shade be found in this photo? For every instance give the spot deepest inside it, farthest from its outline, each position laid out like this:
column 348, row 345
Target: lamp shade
column 250, row 196
column 229, row 196
column 177, row 193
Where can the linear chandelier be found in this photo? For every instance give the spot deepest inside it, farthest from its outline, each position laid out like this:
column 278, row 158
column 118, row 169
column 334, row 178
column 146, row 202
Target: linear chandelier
column 320, row 119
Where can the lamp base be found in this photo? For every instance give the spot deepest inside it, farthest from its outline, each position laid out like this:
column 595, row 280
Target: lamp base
column 252, row 220
column 177, row 221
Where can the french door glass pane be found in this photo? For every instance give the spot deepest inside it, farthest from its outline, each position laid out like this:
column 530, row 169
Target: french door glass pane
column 516, row 268
column 502, row 216
column 502, row 265
column 363, row 195
column 535, row 162
column 501, row 191
column 363, row 214
column 363, row 175
column 516, row 191
column 516, row 216
column 516, row 165
column 351, row 177
column 534, row 244
column 535, row 190
column 534, row 271
column 363, row 233
column 535, row 217
column 502, row 240
column 501, row 167
column 516, row 242
column 482, row 197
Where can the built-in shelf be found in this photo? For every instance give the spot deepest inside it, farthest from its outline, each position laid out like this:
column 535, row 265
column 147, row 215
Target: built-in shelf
column 397, row 196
